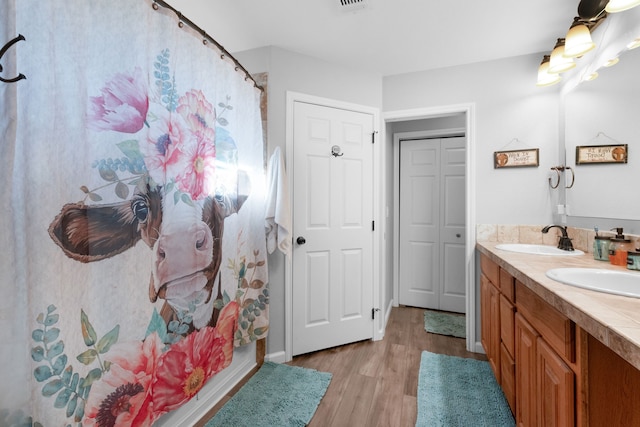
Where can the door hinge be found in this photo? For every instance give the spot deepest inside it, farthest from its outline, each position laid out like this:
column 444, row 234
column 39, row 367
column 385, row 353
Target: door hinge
column 373, row 136
column 373, row 226
column 373, row 313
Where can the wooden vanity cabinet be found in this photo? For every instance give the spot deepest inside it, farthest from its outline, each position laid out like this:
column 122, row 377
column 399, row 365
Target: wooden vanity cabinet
column 497, row 318
column 547, row 367
column 531, row 348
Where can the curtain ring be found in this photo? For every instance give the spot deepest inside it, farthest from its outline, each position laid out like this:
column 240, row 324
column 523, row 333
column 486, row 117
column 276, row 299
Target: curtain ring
column 573, row 177
column 558, row 182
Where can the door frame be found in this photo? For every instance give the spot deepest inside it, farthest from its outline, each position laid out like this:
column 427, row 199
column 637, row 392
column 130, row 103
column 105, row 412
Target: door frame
column 470, row 203
column 292, row 98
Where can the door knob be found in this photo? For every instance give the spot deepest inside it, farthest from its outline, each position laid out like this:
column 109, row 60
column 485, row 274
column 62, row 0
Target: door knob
column 301, row 240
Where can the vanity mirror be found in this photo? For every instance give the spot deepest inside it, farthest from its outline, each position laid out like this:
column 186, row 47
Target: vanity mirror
column 605, row 111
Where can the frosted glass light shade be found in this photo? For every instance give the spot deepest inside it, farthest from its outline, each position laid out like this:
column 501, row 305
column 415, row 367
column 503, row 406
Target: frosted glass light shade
column 544, row 78
column 634, row 44
column 619, row 5
column 558, row 63
column 578, row 41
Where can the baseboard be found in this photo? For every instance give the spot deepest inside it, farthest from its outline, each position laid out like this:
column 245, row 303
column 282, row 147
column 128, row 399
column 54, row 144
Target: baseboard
column 194, row 410
column 278, row 357
column 479, row 348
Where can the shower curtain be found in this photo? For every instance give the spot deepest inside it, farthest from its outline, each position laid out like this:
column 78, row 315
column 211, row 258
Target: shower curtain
column 133, row 246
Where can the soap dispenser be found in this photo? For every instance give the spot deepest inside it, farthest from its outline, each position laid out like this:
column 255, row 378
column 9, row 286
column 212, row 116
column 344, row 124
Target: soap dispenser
column 619, row 248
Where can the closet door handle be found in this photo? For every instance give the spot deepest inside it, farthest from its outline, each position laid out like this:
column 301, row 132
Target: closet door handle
column 301, row 240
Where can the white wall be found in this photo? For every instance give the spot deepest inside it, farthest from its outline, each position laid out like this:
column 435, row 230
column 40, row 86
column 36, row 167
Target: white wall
column 508, row 106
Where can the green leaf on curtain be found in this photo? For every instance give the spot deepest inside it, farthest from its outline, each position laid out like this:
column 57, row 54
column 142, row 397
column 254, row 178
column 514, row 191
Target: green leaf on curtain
column 51, row 319
column 92, row 376
column 108, row 175
column 157, row 325
column 131, row 149
column 66, row 375
column 37, row 354
column 186, row 199
column 42, row 373
column 52, row 387
column 95, row 197
column 62, row 399
column 88, row 333
column 122, row 190
column 108, row 340
column 60, row 364
column 87, row 357
column 51, row 335
column 38, row 335
column 55, row 350
column 79, row 412
column 71, row 406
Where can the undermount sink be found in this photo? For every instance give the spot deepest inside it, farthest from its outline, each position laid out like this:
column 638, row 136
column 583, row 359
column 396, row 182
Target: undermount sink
column 598, row 279
column 537, row 249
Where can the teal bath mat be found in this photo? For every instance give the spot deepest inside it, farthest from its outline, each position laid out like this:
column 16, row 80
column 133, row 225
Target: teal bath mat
column 443, row 323
column 277, row 395
column 455, row 391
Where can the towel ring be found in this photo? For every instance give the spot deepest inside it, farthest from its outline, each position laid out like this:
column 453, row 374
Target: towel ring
column 558, row 181
column 573, row 177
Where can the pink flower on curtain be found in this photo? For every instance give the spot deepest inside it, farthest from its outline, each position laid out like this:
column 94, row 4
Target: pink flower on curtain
column 121, row 397
column 199, row 114
column 185, row 368
column 122, row 106
column 163, row 149
column 198, row 178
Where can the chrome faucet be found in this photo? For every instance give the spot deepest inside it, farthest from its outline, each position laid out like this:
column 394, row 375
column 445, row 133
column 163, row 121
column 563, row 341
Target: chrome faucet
column 565, row 242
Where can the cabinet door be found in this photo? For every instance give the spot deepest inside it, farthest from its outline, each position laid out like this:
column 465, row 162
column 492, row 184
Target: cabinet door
column 526, row 389
column 485, row 313
column 490, row 328
column 555, row 389
column 507, row 334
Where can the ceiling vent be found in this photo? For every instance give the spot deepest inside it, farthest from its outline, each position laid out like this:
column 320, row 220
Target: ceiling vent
column 352, row 5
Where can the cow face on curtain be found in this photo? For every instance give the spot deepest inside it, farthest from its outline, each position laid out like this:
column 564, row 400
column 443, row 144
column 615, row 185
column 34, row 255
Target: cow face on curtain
column 144, row 264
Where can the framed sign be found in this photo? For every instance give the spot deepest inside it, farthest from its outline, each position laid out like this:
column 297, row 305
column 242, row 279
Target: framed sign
column 516, row 158
column 591, row 154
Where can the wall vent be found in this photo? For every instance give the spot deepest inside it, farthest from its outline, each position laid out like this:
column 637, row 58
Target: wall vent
column 352, row 5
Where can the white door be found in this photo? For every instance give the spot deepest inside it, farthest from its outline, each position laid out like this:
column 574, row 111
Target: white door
column 332, row 226
column 432, row 224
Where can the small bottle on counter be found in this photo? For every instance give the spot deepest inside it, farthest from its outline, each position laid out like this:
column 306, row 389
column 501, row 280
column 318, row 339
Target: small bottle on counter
column 633, row 259
column 619, row 248
column 601, row 248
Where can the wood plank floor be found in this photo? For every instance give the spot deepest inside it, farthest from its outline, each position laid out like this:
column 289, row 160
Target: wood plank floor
column 375, row 382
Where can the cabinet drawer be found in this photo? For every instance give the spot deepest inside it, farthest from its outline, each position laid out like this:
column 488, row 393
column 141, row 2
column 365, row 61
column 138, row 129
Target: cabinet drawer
column 556, row 329
column 507, row 324
column 508, row 376
column 507, row 285
column 490, row 269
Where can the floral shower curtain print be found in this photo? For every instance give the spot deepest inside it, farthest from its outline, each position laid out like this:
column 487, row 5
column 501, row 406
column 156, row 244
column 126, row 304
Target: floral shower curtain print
column 133, row 216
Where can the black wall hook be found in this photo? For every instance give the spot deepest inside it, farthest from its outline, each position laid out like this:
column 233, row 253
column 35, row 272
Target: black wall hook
column 4, row 49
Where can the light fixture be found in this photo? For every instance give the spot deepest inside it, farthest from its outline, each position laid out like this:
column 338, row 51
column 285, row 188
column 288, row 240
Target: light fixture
column 544, row 78
column 634, row 44
column 558, row 63
column 578, row 40
column 619, row 5
column 611, row 62
column 590, row 77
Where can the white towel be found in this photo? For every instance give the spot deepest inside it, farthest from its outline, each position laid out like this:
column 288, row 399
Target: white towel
column 278, row 209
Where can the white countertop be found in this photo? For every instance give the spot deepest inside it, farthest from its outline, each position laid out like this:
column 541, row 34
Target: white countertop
column 614, row 320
